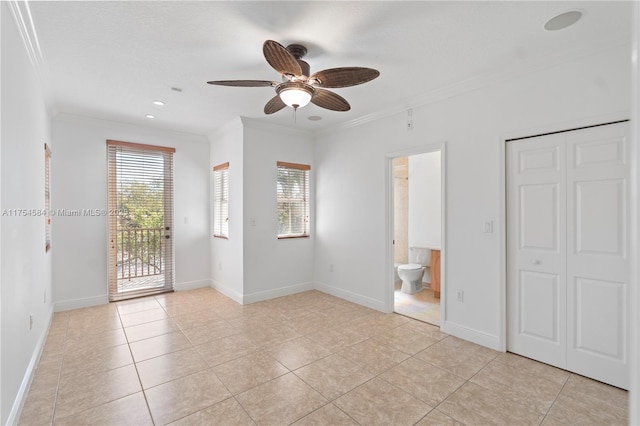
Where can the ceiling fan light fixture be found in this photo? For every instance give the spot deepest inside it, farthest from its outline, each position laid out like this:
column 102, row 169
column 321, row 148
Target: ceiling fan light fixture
column 295, row 94
column 298, row 87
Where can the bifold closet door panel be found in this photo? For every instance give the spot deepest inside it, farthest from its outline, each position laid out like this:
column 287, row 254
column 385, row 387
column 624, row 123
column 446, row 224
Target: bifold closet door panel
column 597, row 253
column 536, row 250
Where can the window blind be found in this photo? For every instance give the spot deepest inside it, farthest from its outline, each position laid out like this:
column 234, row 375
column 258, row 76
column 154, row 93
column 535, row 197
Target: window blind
column 47, row 197
column 293, row 200
column 140, row 219
column 221, row 200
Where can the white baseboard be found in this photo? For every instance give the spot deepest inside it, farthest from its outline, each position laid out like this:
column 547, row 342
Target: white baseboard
column 21, row 396
column 378, row 305
column 67, row 305
column 230, row 293
column 86, row 302
column 191, row 285
column 472, row 335
column 277, row 292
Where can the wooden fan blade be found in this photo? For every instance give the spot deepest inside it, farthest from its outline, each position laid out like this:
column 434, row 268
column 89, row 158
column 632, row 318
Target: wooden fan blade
column 343, row 77
column 330, row 100
column 280, row 59
column 244, row 83
column 275, row 104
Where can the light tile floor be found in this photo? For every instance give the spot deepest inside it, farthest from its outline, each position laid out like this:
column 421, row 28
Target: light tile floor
column 423, row 305
column 198, row 358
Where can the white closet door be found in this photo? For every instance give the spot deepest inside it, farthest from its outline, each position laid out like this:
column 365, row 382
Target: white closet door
column 567, row 251
column 536, row 249
column 597, row 253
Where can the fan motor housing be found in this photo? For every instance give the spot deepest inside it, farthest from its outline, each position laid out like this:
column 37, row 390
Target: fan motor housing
column 299, row 51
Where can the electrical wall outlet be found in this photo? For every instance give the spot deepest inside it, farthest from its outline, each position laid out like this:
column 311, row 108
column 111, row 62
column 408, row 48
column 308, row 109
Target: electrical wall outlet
column 460, row 295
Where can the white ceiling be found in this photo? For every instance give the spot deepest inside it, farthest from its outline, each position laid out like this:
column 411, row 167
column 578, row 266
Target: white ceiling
column 110, row 60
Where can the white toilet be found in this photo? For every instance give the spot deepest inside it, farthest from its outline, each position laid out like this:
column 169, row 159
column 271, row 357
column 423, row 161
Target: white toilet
column 411, row 274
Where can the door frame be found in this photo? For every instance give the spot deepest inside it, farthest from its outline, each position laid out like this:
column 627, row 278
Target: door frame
column 167, row 230
column 389, row 223
column 502, row 219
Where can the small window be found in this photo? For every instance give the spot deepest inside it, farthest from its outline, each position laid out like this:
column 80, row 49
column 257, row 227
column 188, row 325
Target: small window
column 221, row 201
column 47, row 197
column 293, row 200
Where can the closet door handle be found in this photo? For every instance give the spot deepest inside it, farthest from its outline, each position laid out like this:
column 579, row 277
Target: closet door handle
column 535, row 262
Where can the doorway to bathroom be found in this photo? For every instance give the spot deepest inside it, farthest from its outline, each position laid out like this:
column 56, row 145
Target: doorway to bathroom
column 417, row 235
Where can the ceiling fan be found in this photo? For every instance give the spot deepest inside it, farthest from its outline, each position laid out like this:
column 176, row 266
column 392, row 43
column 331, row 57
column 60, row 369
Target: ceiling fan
column 298, row 87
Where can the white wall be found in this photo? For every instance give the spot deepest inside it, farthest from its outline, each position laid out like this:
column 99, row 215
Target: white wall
column 227, row 263
column 273, row 267
column 253, row 265
column 350, row 209
column 26, row 267
column 424, row 200
column 350, row 185
column 79, row 166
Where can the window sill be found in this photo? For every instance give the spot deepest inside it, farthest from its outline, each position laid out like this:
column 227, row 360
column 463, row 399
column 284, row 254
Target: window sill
column 221, row 237
column 289, row 237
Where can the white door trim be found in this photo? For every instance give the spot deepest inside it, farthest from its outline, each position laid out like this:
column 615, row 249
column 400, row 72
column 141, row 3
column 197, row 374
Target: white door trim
column 502, row 219
column 389, row 269
column 634, row 158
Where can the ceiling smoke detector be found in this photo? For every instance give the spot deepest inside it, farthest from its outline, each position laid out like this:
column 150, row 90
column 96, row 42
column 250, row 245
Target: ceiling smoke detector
column 562, row 21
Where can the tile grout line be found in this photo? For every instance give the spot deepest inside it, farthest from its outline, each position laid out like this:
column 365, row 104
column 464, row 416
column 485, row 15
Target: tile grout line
column 381, row 338
column 459, row 387
column 430, row 363
column 375, row 376
column 210, row 367
column 555, row 399
column 135, row 365
column 64, row 348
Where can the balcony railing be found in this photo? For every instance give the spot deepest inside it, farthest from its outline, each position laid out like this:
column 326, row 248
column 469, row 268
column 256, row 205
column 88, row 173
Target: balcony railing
column 140, row 253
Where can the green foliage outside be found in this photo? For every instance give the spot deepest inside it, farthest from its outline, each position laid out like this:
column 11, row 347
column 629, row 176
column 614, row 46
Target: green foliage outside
column 140, row 226
column 142, row 204
column 291, row 201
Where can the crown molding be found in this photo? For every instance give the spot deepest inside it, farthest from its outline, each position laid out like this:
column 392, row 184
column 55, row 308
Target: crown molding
column 477, row 82
column 24, row 22
column 21, row 14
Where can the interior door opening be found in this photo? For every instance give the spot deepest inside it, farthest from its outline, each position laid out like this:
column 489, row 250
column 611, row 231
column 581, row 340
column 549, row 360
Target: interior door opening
column 417, row 235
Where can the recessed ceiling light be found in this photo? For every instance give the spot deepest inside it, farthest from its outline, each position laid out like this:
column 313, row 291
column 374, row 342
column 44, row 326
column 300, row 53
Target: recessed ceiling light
column 314, row 118
column 158, row 103
column 150, row 116
column 563, row 20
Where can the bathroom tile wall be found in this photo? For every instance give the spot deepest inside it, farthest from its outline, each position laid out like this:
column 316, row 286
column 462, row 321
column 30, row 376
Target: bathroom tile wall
column 401, row 209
